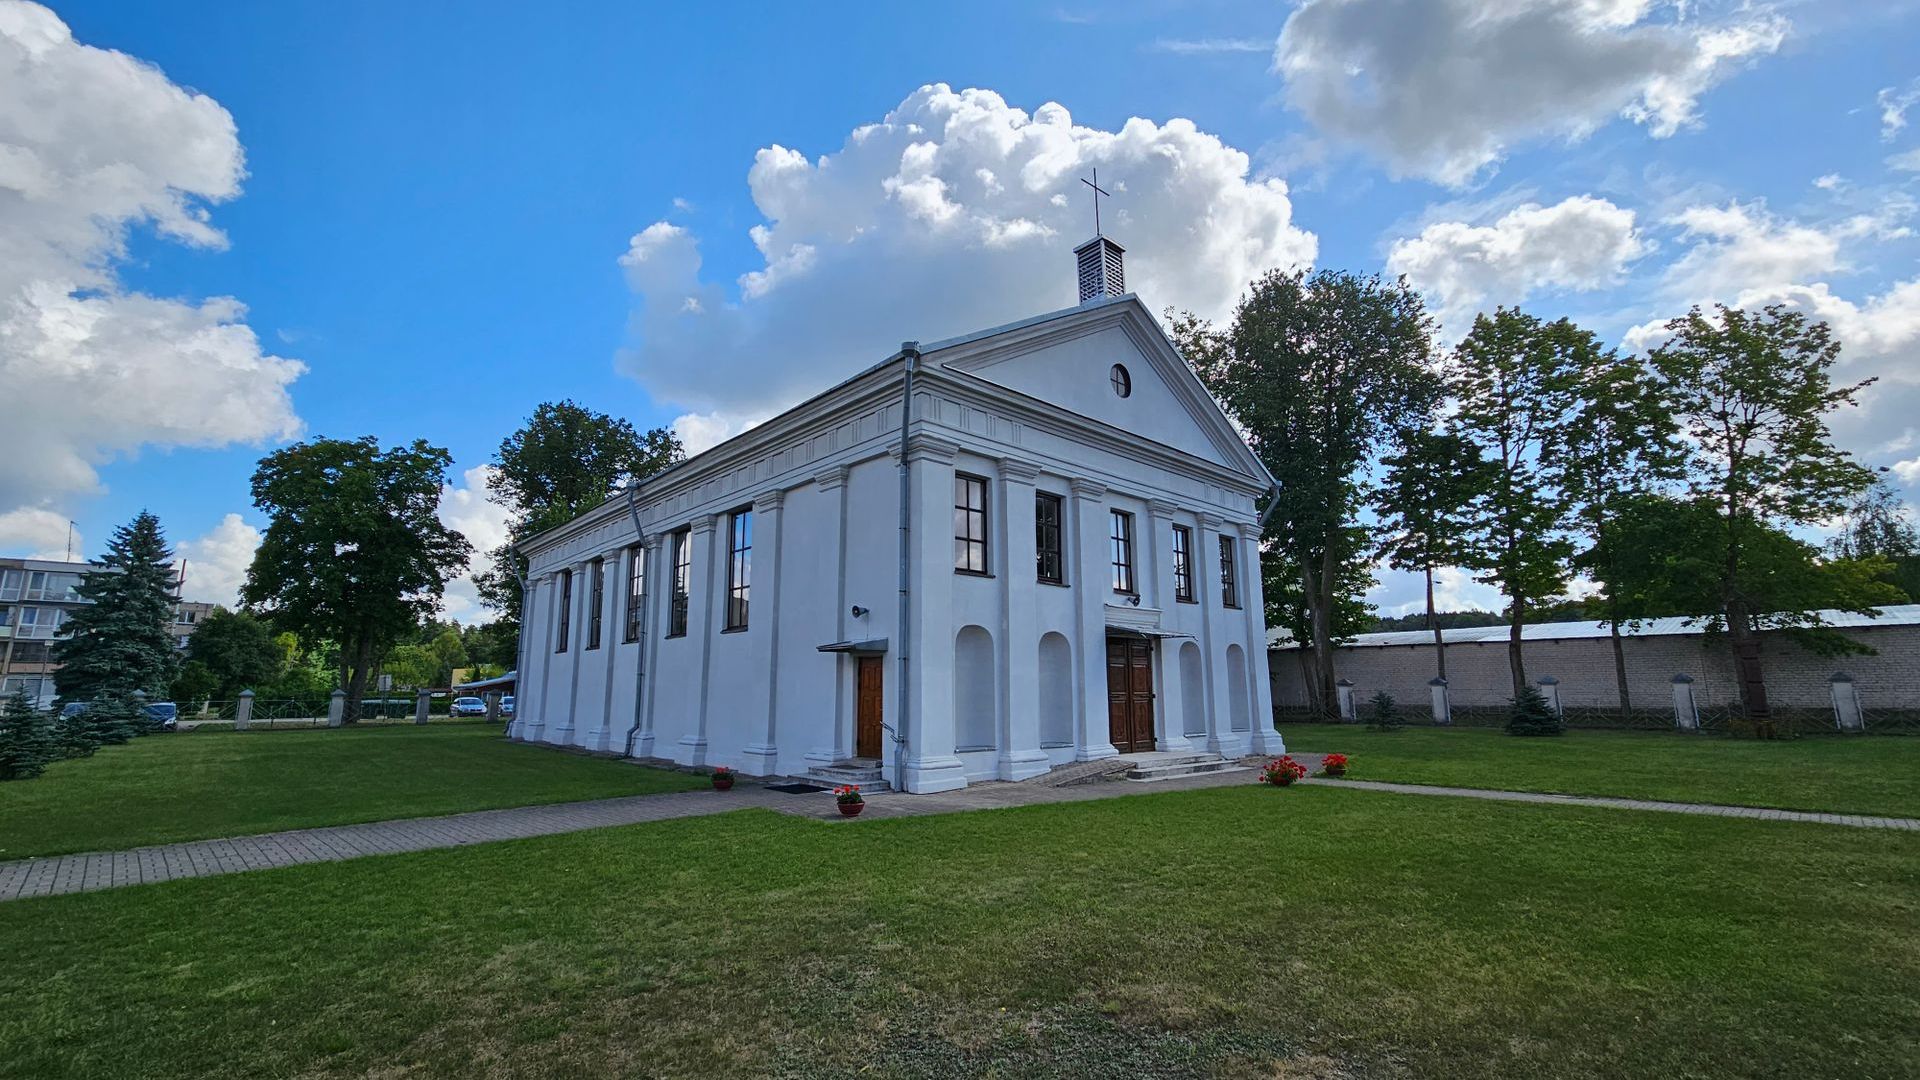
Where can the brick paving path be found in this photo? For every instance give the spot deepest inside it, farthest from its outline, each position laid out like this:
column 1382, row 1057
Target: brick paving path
column 59, row 874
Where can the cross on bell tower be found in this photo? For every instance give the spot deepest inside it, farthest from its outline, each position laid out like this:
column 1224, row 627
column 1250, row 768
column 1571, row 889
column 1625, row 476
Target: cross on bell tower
column 1102, row 272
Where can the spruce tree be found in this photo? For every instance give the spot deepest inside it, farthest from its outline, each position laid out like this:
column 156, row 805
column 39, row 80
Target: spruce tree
column 118, row 643
column 1385, row 713
column 1532, row 715
column 25, row 741
column 72, row 736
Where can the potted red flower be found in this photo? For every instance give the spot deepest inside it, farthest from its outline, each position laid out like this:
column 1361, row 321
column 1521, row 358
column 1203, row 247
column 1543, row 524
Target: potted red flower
column 850, row 800
column 1282, row 771
column 723, row 779
column 1334, row 765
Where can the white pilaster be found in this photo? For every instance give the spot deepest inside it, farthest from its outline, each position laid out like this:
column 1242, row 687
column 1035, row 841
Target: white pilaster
column 1169, row 698
column 931, row 763
column 762, row 758
column 1019, row 739
column 1093, row 574
column 1266, row 737
column 1213, row 651
column 652, row 627
column 840, row 747
column 705, row 592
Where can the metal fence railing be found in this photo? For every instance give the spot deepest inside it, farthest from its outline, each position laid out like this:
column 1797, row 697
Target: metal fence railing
column 1717, row 717
column 271, row 714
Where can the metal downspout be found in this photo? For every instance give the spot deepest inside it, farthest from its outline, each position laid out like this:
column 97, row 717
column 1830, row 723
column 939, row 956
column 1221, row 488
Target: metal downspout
column 910, row 353
column 639, row 661
column 520, row 647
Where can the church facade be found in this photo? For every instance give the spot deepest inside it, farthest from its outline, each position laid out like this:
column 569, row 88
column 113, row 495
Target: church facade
column 979, row 559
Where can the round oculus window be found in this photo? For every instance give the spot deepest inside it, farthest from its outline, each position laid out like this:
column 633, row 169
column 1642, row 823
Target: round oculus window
column 1122, row 382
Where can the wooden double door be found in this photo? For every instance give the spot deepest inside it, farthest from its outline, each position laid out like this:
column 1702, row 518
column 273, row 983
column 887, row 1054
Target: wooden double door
column 1130, row 693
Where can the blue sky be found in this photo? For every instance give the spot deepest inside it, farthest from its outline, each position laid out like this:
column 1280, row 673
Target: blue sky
column 451, row 213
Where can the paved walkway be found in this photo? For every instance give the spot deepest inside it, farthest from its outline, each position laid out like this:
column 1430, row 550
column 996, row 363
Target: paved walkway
column 60, row 874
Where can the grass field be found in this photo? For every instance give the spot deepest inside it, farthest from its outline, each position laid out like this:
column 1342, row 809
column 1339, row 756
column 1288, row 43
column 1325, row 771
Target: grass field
column 164, row 788
column 1316, row 932
column 1864, row 775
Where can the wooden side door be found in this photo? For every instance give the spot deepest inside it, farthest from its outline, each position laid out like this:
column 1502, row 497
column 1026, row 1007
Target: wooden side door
column 1130, row 694
column 866, row 710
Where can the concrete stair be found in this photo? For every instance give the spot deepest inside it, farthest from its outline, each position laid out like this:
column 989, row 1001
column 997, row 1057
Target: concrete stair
column 862, row 772
column 1148, row 769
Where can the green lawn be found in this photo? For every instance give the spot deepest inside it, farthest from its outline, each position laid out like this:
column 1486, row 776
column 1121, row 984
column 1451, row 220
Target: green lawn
column 1317, row 932
column 162, row 788
column 1864, row 775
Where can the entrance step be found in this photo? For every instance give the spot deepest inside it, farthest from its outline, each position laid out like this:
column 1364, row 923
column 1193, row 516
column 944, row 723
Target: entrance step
column 865, row 773
column 1170, row 766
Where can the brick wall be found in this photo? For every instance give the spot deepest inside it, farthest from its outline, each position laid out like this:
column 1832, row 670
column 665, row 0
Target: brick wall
column 1477, row 673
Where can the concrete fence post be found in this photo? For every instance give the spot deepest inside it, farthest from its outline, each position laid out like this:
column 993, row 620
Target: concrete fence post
column 337, row 709
column 493, row 706
column 1550, row 689
column 1686, row 717
column 1442, row 708
column 243, row 711
column 1846, row 703
column 422, row 705
column 1344, row 691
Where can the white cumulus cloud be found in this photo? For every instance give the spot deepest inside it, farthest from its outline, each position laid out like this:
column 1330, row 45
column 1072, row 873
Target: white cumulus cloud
column 40, row 534
column 465, row 507
column 217, row 562
column 94, row 144
column 954, row 212
column 1444, row 88
column 1580, row 243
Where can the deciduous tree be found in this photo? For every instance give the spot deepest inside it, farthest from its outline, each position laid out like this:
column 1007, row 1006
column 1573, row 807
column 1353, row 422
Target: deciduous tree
column 237, row 650
column 1514, row 378
column 1319, row 371
column 354, row 551
column 1753, row 392
column 565, row 460
column 1429, row 495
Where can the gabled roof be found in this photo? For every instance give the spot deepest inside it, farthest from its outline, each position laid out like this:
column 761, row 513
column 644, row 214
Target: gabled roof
column 975, row 352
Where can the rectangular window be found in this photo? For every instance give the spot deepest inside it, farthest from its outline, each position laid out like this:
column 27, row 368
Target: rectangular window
column 969, row 524
column 1183, row 564
column 636, row 590
column 682, row 583
column 1229, row 577
column 739, row 568
column 566, row 608
column 1121, row 537
column 597, row 600
column 6, row 616
column 10, row 584
column 1046, row 525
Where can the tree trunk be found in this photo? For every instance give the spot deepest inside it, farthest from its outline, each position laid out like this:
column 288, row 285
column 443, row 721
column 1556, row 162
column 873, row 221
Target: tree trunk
column 357, row 682
column 1619, row 658
column 1516, row 622
column 1320, row 604
column 1433, row 624
column 1748, row 668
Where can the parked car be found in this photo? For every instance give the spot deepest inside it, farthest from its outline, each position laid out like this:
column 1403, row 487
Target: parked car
column 506, row 705
column 160, row 715
column 163, row 715
column 469, row 706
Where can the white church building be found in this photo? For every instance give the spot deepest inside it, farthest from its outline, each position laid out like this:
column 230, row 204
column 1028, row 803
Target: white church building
column 979, row 559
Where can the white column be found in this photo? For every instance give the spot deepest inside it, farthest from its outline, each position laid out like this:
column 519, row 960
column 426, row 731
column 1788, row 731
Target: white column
column 243, row 711
column 763, row 624
column 1266, row 738
column 1019, row 738
column 845, row 628
column 1550, row 690
column 422, row 706
column 1213, row 659
column 1343, row 692
column 568, row 662
column 1686, row 717
column 1442, row 707
column 652, row 622
column 1092, row 577
column 705, row 587
column 1169, row 694
column 613, row 575
column 1846, row 703
column 931, row 763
